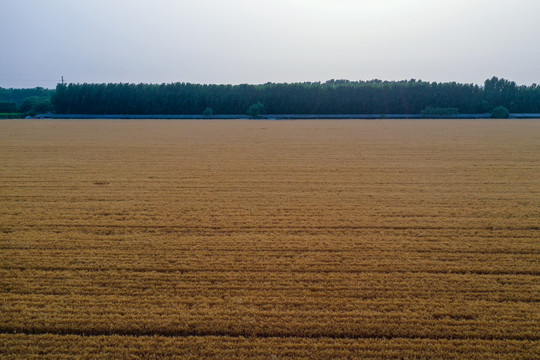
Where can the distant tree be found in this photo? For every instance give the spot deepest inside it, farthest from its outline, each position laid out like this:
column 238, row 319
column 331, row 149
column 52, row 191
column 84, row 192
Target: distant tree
column 501, row 92
column 208, row 112
column 500, row 112
column 8, row 107
column 256, row 109
column 18, row 95
column 36, row 105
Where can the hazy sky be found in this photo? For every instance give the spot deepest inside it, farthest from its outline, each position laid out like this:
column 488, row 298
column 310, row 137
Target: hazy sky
column 258, row 41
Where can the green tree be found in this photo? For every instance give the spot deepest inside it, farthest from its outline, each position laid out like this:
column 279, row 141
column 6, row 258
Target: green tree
column 256, row 109
column 500, row 112
column 36, row 105
column 8, row 107
column 208, row 112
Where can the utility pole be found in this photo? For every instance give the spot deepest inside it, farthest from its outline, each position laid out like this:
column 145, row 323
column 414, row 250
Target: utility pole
column 62, row 80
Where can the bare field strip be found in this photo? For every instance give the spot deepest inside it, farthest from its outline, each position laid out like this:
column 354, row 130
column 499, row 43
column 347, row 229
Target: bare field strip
column 270, row 239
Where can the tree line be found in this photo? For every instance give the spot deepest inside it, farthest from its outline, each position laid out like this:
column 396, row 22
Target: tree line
column 331, row 97
column 328, row 98
column 25, row 101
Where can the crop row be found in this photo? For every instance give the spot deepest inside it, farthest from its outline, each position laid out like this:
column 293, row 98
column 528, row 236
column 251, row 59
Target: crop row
column 309, row 262
column 326, row 288
column 256, row 314
column 16, row 346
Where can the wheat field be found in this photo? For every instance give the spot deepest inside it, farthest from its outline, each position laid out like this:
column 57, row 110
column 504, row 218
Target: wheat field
column 392, row 239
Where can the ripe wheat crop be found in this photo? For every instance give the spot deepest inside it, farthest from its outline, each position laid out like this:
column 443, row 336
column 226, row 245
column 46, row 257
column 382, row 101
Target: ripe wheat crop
column 270, row 239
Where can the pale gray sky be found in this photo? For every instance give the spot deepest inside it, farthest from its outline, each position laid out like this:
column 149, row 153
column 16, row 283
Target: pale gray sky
column 258, row 41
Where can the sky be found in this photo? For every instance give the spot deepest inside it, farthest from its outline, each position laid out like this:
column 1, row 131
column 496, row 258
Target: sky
column 259, row 41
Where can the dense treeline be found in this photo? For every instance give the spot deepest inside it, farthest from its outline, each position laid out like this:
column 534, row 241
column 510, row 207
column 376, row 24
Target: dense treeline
column 20, row 102
column 18, row 96
column 331, row 97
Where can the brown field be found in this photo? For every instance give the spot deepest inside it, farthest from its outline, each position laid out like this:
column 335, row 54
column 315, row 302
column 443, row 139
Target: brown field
column 270, row 239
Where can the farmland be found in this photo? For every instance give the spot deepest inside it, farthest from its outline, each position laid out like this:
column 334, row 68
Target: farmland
column 270, row 239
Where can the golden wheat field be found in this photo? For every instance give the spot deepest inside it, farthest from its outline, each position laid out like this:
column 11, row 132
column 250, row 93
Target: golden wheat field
column 269, row 239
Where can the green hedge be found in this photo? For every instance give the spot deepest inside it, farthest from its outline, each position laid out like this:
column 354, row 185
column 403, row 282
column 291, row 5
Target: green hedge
column 11, row 115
